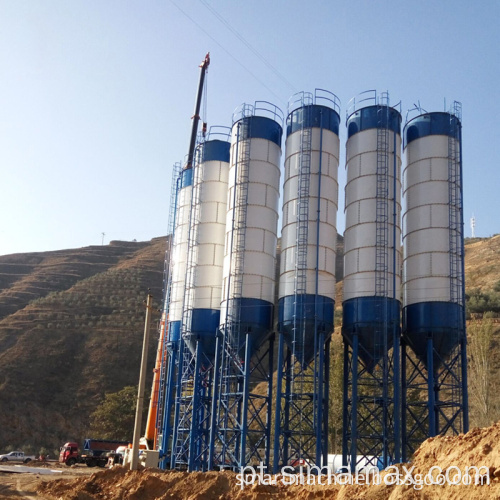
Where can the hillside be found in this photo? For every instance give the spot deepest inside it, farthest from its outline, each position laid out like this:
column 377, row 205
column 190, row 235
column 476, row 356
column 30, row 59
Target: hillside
column 71, row 325
column 74, row 332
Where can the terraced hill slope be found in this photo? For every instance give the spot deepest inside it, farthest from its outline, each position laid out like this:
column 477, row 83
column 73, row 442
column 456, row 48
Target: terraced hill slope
column 71, row 325
column 71, row 328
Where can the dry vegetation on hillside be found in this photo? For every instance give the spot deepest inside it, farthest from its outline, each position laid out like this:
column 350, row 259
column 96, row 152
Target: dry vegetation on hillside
column 71, row 327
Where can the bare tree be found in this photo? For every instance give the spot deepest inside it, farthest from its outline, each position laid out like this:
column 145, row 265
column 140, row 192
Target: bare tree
column 480, row 337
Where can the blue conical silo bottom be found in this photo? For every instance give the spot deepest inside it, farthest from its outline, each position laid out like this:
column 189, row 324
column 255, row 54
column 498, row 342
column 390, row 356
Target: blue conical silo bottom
column 248, row 316
column 441, row 321
column 204, row 326
column 314, row 313
column 173, row 335
column 374, row 320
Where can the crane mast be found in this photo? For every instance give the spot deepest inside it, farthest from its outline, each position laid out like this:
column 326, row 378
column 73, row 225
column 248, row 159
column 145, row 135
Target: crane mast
column 196, row 116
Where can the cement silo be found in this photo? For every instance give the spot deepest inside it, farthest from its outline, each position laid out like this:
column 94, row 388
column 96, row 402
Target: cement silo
column 307, row 278
column 248, row 285
column 202, row 297
column 372, row 280
column 433, row 284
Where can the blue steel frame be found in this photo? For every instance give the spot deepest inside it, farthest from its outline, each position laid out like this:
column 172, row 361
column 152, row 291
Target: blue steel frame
column 371, row 394
column 240, row 429
column 168, row 418
column 190, row 443
column 301, row 416
column 434, row 395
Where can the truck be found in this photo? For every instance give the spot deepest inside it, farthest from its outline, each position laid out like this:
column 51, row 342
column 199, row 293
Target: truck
column 16, row 456
column 94, row 454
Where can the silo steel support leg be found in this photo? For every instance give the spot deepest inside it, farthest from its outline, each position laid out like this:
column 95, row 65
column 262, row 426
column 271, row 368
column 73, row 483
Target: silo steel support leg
column 354, row 403
column 169, row 401
column 194, row 437
column 215, row 398
column 320, row 400
column 396, row 353
column 244, row 406
column 277, row 414
column 327, row 401
column 345, row 407
column 465, row 394
column 404, row 388
column 430, row 388
column 269, row 400
column 177, row 405
column 288, row 395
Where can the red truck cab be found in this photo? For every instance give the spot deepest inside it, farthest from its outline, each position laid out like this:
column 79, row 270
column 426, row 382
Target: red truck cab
column 69, row 454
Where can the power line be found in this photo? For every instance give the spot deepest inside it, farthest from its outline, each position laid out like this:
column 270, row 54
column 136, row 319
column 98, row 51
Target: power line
column 226, row 51
column 247, row 44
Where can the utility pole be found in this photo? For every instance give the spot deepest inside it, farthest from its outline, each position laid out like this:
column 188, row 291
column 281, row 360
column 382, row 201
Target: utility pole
column 142, row 382
column 102, row 241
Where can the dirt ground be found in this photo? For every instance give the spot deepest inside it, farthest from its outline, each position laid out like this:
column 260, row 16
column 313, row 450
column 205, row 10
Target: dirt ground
column 439, row 460
column 24, row 485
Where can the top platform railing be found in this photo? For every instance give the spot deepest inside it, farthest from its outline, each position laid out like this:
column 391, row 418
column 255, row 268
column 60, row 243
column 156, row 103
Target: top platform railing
column 259, row 108
column 319, row 97
column 370, row 98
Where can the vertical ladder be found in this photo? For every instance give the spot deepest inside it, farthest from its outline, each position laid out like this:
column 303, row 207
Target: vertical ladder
column 382, row 216
column 167, row 287
column 238, row 249
column 455, row 206
column 302, row 227
column 299, row 400
column 381, row 270
column 382, row 225
column 455, row 228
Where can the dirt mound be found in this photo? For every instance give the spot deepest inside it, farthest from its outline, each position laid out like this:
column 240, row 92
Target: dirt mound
column 442, row 459
column 120, row 483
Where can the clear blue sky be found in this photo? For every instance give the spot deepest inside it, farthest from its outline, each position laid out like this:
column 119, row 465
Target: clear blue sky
column 96, row 96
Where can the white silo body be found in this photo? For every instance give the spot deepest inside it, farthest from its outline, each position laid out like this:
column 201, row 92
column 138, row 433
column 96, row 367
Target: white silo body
column 206, row 249
column 251, row 225
column 179, row 254
column 372, row 249
column 433, row 234
column 318, row 126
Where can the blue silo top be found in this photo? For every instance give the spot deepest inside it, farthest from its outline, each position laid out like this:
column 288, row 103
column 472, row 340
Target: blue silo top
column 261, row 127
column 216, row 150
column 369, row 117
column 437, row 123
column 313, row 115
column 186, row 178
